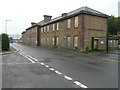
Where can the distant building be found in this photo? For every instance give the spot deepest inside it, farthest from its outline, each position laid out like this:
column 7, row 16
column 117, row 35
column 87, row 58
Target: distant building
column 73, row 30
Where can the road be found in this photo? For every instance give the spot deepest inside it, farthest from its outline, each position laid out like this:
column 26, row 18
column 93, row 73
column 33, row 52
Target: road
column 40, row 67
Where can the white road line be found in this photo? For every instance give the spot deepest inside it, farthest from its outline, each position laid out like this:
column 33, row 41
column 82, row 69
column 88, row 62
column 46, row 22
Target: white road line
column 42, row 63
column 68, row 78
column 46, row 66
column 58, row 72
column 52, row 69
column 80, row 84
column 31, row 60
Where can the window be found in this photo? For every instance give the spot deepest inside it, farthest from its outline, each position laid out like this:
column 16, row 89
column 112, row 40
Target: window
column 44, row 29
column 69, row 23
column 44, row 39
column 41, row 29
column 48, row 28
column 47, row 41
column 53, row 27
column 75, row 41
column 41, row 40
column 68, row 41
column 53, row 41
column 76, row 21
column 57, row 26
column 57, row 41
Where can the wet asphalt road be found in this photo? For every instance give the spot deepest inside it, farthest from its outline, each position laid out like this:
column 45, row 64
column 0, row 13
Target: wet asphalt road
column 92, row 71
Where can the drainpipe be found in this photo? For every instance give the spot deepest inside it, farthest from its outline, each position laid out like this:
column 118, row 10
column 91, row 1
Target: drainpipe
column 38, row 35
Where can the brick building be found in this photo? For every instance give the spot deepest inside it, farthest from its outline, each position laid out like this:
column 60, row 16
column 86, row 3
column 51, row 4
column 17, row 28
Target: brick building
column 31, row 35
column 73, row 30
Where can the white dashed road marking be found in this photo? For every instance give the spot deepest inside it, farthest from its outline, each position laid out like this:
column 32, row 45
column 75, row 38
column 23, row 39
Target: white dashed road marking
column 47, row 66
column 52, row 69
column 68, row 78
column 58, row 72
column 80, row 84
column 42, row 63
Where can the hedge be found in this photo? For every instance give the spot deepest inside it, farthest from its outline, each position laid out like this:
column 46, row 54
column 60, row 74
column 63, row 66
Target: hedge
column 4, row 40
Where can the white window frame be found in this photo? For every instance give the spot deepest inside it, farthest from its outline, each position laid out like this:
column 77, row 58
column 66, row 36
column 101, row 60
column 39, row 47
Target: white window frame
column 41, row 40
column 69, row 23
column 44, row 28
column 41, row 29
column 75, row 41
column 53, row 41
column 68, row 41
column 53, row 27
column 57, row 26
column 57, row 41
column 48, row 28
column 47, row 41
column 76, row 21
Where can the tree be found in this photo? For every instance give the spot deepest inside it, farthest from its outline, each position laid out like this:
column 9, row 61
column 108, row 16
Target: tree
column 112, row 25
column 5, row 42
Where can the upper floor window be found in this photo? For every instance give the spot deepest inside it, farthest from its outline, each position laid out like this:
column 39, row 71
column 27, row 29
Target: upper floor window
column 44, row 29
column 57, row 26
column 69, row 23
column 41, row 29
column 48, row 28
column 76, row 21
column 53, row 27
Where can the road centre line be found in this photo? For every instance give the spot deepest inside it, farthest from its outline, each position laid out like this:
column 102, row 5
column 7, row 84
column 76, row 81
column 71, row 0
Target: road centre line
column 47, row 66
column 68, row 78
column 58, row 72
column 80, row 84
column 42, row 63
column 52, row 69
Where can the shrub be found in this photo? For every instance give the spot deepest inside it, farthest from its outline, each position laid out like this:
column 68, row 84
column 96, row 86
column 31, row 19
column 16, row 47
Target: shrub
column 87, row 50
column 5, row 42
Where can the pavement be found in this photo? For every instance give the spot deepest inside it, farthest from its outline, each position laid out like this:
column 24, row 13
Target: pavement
column 41, row 67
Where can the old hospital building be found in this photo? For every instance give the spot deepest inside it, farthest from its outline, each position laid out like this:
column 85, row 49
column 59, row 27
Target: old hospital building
column 73, row 30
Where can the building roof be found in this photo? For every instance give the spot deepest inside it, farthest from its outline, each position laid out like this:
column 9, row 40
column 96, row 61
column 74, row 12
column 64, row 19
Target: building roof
column 75, row 12
column 81, row 10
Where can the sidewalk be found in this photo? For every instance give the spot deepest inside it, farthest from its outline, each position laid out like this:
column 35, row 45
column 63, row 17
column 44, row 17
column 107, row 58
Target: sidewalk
column 12, row 50
column 77, row 53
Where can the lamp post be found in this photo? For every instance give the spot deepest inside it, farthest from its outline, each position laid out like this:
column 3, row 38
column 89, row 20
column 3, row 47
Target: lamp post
column 6, row 25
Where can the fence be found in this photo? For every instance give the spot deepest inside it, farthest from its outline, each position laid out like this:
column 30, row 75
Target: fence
column 106, row 44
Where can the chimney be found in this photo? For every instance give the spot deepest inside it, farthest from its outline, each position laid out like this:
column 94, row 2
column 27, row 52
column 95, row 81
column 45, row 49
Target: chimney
column 33, row 23
column 64, row 14
column 47, row 18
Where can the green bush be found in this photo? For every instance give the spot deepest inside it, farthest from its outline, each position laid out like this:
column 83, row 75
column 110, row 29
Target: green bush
column 87, row 50
column 5, row 42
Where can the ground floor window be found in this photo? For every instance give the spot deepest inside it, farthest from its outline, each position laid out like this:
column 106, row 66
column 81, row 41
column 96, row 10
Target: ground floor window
column 75, row 41
column 41, row 40
column 53, row 41
column 68, row 41
column 47, row 41
column 57, row 41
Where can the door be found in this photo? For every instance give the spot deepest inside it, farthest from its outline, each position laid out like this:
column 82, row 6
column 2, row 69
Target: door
column 96, row 44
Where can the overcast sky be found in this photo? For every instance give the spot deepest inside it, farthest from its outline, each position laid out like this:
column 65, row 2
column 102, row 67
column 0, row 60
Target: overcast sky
column 23, row 12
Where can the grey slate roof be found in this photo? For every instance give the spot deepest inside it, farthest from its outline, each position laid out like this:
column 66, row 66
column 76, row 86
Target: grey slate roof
column 74, row 12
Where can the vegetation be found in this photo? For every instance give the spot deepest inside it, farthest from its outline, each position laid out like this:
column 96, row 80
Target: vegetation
column 87, row 50
column 113, row 26
column 4, row 39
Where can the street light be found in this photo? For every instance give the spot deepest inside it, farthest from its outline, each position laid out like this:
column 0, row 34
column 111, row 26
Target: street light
column 6, row 25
